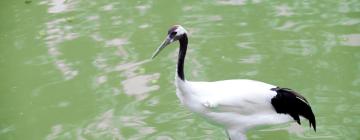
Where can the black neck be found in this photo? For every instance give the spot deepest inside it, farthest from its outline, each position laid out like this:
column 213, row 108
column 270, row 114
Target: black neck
column 182, row 52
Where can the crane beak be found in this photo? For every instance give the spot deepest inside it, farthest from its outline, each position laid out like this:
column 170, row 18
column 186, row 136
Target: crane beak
column 166, row 42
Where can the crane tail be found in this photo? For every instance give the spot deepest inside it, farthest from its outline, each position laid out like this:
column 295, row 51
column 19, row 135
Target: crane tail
column 290, row 102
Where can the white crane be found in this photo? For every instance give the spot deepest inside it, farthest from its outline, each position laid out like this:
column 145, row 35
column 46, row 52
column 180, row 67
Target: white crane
column 238, row 104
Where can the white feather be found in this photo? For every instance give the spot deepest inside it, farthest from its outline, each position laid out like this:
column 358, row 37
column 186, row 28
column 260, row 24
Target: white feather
column 180, row 30
column 236, row 104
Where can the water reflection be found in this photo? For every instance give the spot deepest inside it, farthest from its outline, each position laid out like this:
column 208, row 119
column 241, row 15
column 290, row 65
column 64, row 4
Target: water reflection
column 56, row 130
column 136, row 84
column 109, row 125
column 108, row 7
column 103, row 127
column 283, row 10
column 350, row 40
column 7, row 129
column 100, row 80
column 59, row 6
column 56, row 34
column 118, row 43
column 254, row 58
column 143, row 8
column 233, row 2
column 139, row 85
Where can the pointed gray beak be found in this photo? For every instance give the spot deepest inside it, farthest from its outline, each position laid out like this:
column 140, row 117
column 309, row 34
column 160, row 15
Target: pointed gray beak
column 166, row 42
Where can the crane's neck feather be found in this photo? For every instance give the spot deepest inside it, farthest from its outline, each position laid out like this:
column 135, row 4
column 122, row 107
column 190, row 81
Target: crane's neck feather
column 181, row 58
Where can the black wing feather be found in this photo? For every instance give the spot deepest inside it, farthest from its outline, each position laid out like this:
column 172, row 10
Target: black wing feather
column 290, row 102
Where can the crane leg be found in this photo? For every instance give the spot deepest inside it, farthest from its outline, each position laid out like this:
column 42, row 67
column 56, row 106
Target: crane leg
column 236, row 134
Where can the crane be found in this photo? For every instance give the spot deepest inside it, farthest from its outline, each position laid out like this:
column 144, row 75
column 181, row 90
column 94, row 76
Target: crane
column 237, row 104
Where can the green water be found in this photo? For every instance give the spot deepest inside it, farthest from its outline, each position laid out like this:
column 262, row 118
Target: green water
column 74, row 69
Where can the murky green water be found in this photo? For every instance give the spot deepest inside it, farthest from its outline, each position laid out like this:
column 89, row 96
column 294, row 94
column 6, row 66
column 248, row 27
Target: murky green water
column 74, row 69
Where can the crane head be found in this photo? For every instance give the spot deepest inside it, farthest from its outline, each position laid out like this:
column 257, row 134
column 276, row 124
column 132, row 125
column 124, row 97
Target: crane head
column 174, row 34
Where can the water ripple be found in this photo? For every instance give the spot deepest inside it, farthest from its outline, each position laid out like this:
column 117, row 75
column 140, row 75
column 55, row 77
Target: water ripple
column 350, row 40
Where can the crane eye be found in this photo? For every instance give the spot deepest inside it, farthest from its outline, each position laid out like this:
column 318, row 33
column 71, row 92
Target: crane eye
column 172, row 34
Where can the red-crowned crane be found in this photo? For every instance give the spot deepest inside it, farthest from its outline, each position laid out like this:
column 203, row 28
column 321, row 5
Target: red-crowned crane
column 237, row 104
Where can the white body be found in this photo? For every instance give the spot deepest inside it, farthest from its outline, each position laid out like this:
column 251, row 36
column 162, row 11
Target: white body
column 236, row 104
